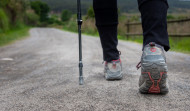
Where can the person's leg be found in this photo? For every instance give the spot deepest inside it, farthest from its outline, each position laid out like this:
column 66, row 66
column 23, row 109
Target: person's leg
column 153, row 14
column 106, row 21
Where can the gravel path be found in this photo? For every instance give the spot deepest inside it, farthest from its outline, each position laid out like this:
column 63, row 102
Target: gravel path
column 40, row 73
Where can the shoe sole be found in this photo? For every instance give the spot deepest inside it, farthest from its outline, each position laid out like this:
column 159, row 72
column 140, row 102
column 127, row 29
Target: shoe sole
column 113, row 76
column 155, row 75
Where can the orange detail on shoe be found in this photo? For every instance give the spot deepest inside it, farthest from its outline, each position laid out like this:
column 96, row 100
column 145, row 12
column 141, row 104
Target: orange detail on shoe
column 114, row 66
column 152, row 44
column 153, row 88
column 153, row 49
column 116, row 60
column 113, row 61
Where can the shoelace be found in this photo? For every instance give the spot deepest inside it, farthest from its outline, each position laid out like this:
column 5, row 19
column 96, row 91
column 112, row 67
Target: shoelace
column 138, row 65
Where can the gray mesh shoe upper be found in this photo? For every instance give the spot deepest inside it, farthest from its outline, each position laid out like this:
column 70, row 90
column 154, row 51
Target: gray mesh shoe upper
column 113, row 70
column 153, row 52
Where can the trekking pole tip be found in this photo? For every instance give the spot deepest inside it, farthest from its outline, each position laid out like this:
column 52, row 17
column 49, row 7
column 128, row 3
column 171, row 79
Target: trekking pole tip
column 81, row 81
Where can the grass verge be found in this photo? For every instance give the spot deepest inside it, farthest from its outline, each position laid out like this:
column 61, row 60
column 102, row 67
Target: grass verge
column 13, row 35
column 178, row 44
column 181, row 44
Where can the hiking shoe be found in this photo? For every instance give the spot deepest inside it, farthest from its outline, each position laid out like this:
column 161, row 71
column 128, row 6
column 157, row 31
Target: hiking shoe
column 153, row 70
column 113, row 70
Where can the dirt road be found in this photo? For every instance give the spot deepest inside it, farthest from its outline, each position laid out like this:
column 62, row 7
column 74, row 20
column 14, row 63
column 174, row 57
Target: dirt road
column 40, row 73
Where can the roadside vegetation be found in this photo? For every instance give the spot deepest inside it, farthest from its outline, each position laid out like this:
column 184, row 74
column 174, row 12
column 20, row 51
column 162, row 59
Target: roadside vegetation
column 180, row 44
column 17, row 16
column 13, row 35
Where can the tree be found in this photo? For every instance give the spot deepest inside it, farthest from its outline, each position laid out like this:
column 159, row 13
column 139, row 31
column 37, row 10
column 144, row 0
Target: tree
column 31, row 18
column 4, row 22
column 42, row 9
column 15, row 9
column 66, row 15
column 3, row 3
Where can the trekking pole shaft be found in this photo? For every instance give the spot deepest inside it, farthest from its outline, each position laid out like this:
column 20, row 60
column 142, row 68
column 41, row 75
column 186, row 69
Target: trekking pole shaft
column 79, row 20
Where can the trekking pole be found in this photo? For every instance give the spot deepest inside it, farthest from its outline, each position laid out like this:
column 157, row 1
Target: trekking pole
column 79, row 21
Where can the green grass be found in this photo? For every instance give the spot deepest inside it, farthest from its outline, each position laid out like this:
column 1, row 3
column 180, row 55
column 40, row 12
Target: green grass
column 137, row 39
column 180, row 44
column 74, row 28
column 13, row 35
column 71, row 26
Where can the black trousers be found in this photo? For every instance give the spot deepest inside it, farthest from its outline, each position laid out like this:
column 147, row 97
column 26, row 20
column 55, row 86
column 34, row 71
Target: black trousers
column 154, row 24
